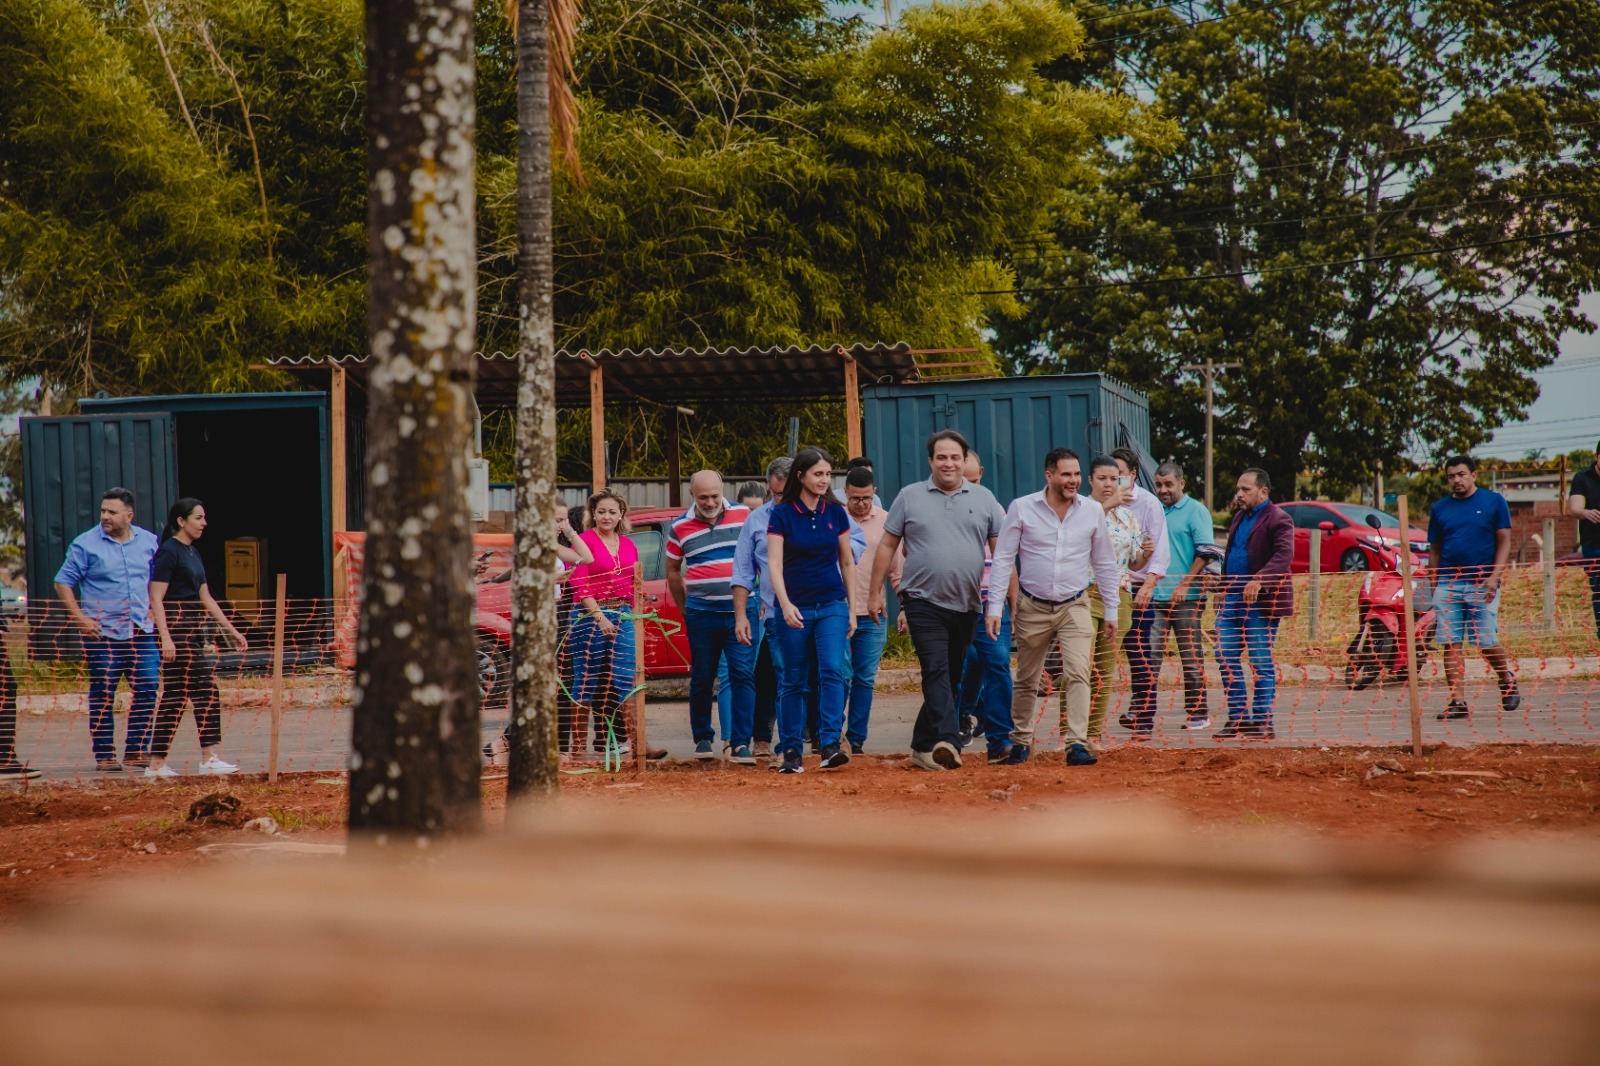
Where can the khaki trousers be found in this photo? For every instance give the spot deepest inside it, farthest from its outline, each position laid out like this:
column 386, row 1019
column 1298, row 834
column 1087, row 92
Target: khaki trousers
column 1035, row 627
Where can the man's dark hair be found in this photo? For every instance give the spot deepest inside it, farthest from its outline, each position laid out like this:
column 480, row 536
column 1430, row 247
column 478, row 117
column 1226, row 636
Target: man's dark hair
column 1055, row 455
column 1170, row 469
column 1100, row 461
column 860, row 477
column 948, row 434
column 121, row 494
column 1462, row 460
column 1262, row 480
column 860, row 460
column 1127, row 456
column 750, row 488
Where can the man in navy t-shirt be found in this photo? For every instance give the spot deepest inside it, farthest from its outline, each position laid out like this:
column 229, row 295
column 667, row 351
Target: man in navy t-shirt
column 1470, row 531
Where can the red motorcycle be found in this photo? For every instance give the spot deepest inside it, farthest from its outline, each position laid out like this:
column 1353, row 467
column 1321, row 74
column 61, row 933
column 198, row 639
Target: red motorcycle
column 1379, row 648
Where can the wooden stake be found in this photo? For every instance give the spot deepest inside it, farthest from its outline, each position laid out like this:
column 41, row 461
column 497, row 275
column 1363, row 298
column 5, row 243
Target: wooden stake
column 1314, row 608
column 640, row 742
column 1413, row 680
column 280, row 601
column 1548, row 564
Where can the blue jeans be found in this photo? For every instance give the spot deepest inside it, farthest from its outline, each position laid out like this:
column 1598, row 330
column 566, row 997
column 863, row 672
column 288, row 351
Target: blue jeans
column 825, row 636
column 725, row 683
column 986, row 680
column 866, row 651
column 710, row 642
column 139, row 661
column 597, row 657
column 1591, row 563
column 1240, row 626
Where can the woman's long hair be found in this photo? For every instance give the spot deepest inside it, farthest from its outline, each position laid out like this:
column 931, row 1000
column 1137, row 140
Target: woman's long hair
column 594, row 501
column 804, row 460
column 176, row 513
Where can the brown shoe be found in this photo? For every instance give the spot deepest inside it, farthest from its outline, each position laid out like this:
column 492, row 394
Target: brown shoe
column 136, row 760
column 655, row 754
column 108, row 766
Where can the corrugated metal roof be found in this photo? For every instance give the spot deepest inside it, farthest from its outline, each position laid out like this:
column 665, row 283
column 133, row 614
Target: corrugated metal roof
column 676, row 375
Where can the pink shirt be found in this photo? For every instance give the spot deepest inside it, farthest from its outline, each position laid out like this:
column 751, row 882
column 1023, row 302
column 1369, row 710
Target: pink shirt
column 872, row 528
column 608, row 577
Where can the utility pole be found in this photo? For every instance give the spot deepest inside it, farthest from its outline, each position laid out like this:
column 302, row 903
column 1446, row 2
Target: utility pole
column 1209, row 369
column 888, row 15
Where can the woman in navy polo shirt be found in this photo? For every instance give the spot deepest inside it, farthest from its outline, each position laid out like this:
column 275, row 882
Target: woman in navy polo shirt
column 808, row 547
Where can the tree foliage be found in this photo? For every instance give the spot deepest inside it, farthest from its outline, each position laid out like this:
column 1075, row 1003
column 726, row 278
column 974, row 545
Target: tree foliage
column 757, row 173
column 135, row 255
column 1365, row 211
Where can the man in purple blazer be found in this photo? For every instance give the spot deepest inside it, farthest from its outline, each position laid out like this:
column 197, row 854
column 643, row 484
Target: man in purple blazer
column 1256, row 593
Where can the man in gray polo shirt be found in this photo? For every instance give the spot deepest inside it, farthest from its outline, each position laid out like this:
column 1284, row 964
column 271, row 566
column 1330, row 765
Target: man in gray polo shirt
column 945, row 524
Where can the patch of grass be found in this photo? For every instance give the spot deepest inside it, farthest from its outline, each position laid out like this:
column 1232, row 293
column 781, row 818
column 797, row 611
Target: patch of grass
column 897, row 648
column 287, row 818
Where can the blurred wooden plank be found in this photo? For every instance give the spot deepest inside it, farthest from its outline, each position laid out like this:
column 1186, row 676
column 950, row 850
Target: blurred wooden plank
column 1096, row 936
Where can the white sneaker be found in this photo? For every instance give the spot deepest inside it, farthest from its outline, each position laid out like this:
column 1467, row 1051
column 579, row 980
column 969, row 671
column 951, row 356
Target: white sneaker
column 214, row 765
column 946, row 755
column 163, row 771
column 923, row 760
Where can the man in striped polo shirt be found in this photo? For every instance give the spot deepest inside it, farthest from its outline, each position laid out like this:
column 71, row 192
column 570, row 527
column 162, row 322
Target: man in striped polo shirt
column 700, row 548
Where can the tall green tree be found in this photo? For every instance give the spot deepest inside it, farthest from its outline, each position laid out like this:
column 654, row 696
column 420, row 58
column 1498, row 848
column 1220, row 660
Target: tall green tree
column 1378, row 207
column 180, row 190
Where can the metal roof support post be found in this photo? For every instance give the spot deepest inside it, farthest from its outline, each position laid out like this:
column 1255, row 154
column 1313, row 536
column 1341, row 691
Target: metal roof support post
column 597, row 424
column 852, row 407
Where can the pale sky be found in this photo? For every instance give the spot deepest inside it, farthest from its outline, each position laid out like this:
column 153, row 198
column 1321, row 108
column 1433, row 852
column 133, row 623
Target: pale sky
column 1567, row 414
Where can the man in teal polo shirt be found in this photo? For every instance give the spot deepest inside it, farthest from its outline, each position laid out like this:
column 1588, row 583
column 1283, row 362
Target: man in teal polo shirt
column 1180, row 597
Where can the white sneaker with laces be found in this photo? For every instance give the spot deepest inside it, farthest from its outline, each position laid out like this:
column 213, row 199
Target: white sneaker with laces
column 215, row 765
column 162, row 771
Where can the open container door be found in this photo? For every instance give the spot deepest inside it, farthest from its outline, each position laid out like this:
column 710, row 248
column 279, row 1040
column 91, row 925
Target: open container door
column 67, row 463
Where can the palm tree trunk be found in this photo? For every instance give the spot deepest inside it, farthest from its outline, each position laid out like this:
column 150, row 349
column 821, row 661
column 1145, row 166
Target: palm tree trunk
column 534, row 758
column 415, row 766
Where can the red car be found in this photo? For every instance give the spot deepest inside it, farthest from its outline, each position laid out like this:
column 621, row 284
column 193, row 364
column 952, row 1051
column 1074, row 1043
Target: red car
column 666, row 646
column 1349, row 543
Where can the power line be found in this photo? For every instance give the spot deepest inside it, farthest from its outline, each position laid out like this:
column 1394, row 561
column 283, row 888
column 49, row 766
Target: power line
column 1127, row 14
column 1398, row 153
column 1042, row 236
column 1287, row 267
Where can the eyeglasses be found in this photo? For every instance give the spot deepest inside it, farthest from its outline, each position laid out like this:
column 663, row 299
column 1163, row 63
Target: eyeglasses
column 853, row 500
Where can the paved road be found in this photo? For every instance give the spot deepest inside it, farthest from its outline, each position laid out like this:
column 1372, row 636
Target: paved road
column 1556, row 711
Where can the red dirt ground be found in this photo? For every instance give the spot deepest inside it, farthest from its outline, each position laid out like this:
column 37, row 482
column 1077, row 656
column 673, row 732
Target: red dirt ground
column 57, row 841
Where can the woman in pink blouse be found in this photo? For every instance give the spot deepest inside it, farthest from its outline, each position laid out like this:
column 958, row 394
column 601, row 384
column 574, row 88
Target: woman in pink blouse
column 602, row 633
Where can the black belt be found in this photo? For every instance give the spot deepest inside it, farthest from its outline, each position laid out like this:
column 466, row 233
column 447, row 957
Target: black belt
column 1074, row 598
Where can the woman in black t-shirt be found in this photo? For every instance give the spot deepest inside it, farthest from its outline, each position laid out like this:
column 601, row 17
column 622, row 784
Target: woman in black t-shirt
column 180, row 602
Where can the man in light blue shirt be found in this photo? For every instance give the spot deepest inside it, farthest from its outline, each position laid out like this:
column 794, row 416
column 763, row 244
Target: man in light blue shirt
column 1180, row 597
column 753, row 573
column 104, row 585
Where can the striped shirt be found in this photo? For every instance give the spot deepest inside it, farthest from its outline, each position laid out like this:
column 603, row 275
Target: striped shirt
column 706, row 552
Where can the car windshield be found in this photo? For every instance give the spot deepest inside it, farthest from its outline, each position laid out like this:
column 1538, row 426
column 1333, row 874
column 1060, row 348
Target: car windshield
column 1358, row 515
